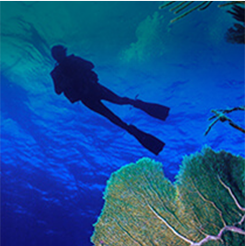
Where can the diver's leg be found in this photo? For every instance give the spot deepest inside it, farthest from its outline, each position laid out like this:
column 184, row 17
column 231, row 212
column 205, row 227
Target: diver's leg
column 100, row 108
column 155, row 110
column 110, row 96
column 148, row 141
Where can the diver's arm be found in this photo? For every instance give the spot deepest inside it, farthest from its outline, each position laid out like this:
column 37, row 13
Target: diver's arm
column 57, row 86
column 57, row 89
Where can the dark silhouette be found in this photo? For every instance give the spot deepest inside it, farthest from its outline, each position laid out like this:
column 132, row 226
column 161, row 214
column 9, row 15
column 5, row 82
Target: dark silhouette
column 236, row 34
column 74, row 77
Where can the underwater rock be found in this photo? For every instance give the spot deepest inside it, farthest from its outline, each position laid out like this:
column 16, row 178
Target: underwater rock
column 204, row 206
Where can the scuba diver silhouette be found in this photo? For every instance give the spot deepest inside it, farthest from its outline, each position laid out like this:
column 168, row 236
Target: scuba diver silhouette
column 74, row 77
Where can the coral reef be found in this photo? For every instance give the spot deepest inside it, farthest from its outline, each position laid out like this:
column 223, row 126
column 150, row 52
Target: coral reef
column 180, row 6
column 204, row 206
column 219, row 115
column 236, row 34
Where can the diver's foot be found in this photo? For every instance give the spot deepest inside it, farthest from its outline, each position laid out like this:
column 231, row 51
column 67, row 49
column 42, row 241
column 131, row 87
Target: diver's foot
column 155, row 110
column 150, row 142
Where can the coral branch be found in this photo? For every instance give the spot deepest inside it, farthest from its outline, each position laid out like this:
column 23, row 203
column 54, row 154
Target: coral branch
column 206, row 239
column 242, row 220
column 187, row 12
column 183, row 5
column 232, row 195
column 226, row 228
column 169, row 226
column 212, row 203
column 230, row 3
column 218, row 237
column 220, row 114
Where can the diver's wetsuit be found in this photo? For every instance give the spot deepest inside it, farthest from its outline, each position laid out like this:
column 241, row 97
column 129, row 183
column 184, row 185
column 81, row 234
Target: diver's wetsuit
column 74, row 77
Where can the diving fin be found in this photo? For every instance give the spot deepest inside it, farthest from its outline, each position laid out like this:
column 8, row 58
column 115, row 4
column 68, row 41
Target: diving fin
column 148, row 141
column 155, row 110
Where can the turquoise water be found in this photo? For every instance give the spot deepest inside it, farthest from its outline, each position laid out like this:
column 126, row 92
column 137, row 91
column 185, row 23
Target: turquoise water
column 56, row 156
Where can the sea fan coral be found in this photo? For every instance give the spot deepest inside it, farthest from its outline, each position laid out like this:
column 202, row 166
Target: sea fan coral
column 204, row 205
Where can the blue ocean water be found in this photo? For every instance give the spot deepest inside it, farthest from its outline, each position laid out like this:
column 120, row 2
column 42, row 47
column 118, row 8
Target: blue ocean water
column 56, row 156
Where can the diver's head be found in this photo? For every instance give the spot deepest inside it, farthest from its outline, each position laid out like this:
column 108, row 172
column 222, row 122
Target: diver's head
column 58, row 52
